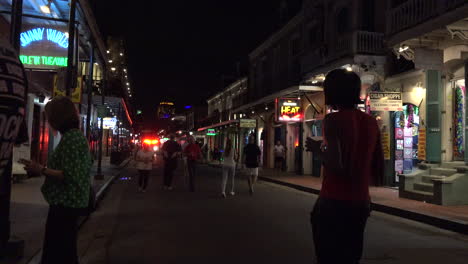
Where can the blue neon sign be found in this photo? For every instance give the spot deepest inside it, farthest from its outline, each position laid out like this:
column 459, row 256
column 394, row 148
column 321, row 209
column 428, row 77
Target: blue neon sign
column 40, row 34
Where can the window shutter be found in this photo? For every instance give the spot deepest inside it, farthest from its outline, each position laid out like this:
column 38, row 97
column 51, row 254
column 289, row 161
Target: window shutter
column 433, row 117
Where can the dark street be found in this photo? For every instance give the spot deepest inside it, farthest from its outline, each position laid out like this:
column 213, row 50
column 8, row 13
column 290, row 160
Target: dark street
column 269, row 227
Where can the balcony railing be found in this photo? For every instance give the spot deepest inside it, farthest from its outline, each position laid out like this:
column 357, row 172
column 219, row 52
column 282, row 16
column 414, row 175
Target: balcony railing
column 357, row 42
column 414, row 12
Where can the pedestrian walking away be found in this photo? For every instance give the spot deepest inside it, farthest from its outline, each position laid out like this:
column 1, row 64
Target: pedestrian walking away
column 251, row 162
column 229, row 167
column 193, row 153
column 170, row 150
column 144, row 165
column 340, row 214
column 67, row 183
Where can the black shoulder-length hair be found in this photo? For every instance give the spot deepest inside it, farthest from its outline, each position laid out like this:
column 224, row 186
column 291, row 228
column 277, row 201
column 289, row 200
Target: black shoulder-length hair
column 62, row 115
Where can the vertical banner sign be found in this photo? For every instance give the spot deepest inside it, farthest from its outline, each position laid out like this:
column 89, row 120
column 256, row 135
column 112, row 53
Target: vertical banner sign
column 289, row 110
column 59, row 88
column 386, row 145
column 422, row 144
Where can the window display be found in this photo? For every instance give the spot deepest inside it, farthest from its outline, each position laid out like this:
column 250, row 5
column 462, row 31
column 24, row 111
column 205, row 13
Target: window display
column 406, row 138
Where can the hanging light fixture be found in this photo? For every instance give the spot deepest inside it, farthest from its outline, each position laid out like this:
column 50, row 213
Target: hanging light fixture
column 46, row 8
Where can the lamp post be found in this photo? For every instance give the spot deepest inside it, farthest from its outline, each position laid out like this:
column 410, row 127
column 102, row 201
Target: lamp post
column 99, row 175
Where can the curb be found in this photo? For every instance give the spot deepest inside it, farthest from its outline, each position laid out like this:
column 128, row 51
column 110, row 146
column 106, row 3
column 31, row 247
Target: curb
column 36, row 259
column 451, row 225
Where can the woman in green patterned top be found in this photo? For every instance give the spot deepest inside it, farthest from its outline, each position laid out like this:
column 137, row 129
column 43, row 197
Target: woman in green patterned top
column 67, row 184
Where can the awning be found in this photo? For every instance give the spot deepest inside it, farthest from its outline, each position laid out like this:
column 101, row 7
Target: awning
column 297, row 90
column 219, row 124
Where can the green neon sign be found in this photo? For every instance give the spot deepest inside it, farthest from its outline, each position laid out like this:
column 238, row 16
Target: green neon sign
column 44, row 60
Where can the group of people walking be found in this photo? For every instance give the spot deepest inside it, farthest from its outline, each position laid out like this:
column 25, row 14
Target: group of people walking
column 192, row 154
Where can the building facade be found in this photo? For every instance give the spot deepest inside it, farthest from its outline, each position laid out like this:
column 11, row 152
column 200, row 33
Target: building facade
column 411, row 57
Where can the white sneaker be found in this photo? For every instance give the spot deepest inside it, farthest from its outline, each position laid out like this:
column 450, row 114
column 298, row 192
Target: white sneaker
column 232, row 193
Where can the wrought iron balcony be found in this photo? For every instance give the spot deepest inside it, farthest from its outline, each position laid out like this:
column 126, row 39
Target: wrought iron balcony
column 414, row 12
column 355, row 43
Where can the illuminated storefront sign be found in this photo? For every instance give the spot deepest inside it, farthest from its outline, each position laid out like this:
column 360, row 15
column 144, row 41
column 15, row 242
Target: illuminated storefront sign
column 44, row 60
column 109, row 122
column 41, row 34
column 44, row 48
column 386, row 101
column 289, row 110
column 211, row 132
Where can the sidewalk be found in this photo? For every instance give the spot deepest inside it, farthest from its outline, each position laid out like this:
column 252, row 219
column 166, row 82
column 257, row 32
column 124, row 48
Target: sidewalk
column 29, row 209
column 384, row 199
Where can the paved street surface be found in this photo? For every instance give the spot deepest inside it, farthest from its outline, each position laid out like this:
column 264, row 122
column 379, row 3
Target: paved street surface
column 272, row 226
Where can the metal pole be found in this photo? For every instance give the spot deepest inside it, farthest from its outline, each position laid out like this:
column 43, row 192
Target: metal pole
column 71, row 49
column 16, row 22
column 99, row 175
column 90, row 91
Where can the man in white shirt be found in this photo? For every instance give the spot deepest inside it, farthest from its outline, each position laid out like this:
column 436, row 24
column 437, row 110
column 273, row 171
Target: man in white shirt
column 280, row 152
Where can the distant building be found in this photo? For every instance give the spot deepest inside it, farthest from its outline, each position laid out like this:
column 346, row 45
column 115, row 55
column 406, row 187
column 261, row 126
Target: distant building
column 166, row 110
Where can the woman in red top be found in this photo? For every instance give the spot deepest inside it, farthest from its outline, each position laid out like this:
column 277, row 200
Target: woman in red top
column 352, row 158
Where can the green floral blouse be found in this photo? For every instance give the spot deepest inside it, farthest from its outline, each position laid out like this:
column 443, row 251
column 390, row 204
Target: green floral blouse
column 73, row 158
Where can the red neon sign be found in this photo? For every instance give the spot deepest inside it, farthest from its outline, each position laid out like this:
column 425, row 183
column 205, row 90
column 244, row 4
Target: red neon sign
column 289, row 110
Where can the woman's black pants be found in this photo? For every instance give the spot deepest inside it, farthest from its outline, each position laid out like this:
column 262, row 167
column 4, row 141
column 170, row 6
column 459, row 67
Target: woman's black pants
column 338, row 230
column 60, row 241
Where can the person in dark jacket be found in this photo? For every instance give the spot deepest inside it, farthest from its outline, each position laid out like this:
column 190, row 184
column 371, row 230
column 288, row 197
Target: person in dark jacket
column 170, row 150
column 251, row 162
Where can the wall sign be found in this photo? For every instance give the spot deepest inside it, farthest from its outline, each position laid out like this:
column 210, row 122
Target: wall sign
column 44, row 47
column 386, row 145
column 289, row 110
column 386, row 101
column 42, row 34
column 211, row 132
column 109, row 122
column 59, row 87
column 248, row 123
column 422, row 144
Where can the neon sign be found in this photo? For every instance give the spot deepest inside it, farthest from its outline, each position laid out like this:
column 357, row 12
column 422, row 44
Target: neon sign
column 211, row 132
column 289, row 110
column 44, row 60
column 40, row 34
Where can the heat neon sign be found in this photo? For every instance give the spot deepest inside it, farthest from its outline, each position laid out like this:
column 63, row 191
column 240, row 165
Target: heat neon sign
column 289, row 110
column 40, row 34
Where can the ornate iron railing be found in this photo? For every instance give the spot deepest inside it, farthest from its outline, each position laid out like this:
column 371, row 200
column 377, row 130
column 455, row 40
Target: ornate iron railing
column 414, row 12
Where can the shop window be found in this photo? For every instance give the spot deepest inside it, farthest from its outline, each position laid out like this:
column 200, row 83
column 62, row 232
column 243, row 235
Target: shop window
column 406, row 138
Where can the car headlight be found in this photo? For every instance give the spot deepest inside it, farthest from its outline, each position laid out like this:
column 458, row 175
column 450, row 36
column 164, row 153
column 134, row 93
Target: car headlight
column 155, row 148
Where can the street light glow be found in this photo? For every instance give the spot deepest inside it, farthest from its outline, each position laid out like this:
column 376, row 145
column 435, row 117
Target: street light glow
column 45, row 9
column 113, row 69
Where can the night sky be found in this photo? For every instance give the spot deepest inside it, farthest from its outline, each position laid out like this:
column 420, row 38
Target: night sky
column 178, row 50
